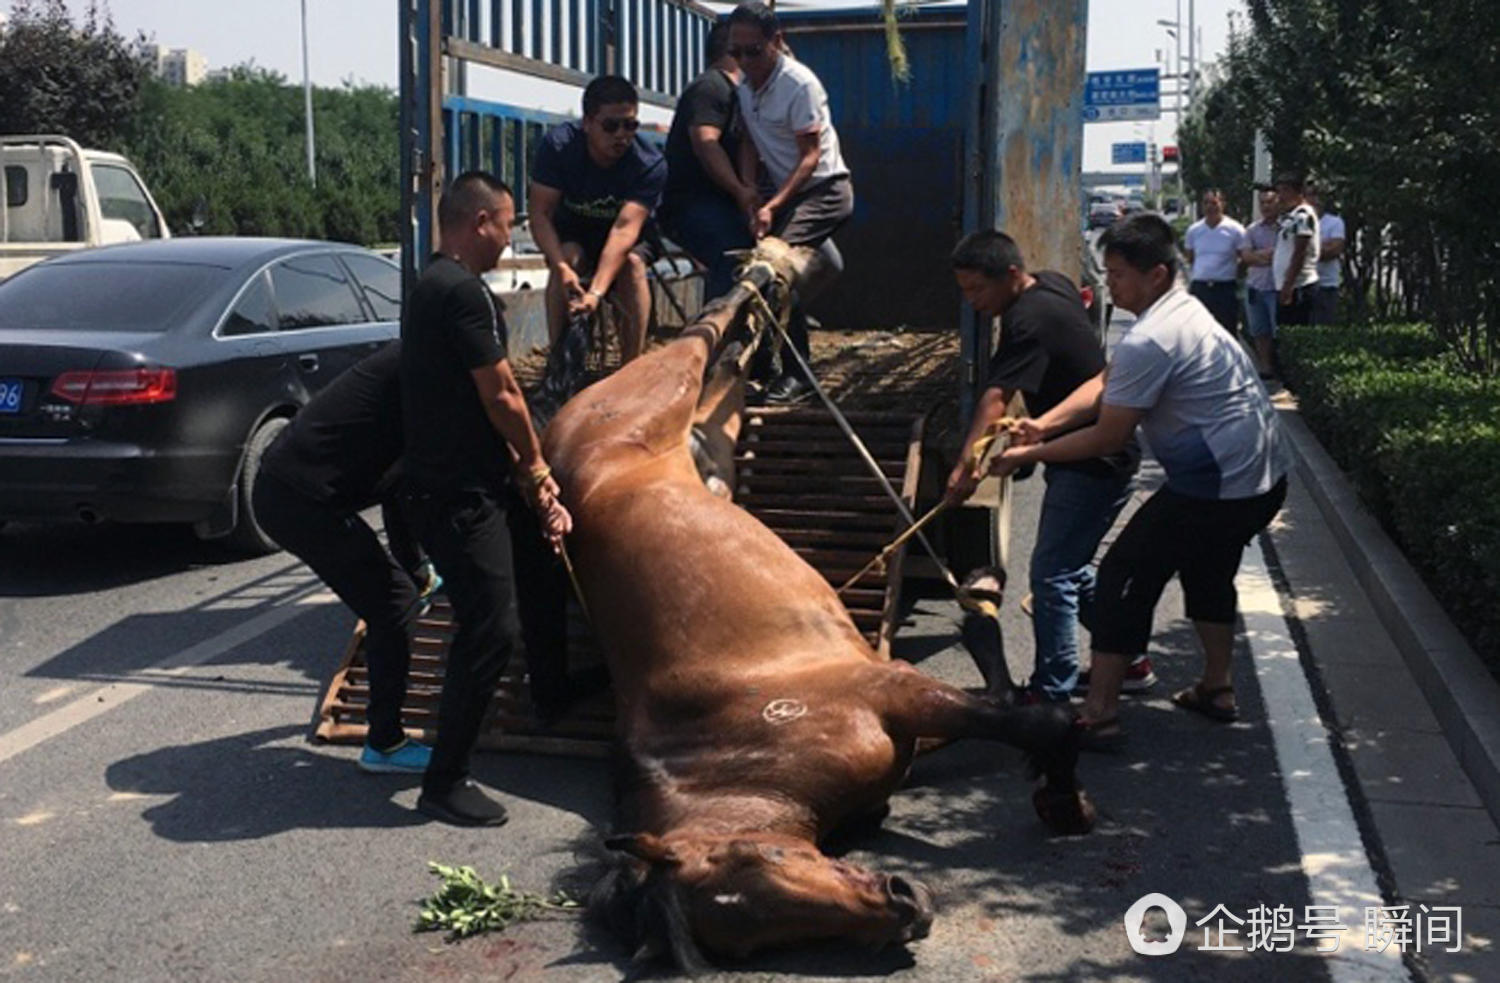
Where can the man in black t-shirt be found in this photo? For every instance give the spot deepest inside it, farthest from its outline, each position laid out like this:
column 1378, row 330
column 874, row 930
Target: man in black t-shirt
column 1047, row 349
column 331, row 461
column 466, row 421
column 594, row 185
column 705, row 204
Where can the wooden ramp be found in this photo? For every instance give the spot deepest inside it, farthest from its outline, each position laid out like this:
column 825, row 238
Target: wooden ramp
column 796, row 472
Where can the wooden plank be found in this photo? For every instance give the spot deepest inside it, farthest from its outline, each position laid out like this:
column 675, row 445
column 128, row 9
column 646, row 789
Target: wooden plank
column 835, row 504
column 897, row 562
column 863, row 485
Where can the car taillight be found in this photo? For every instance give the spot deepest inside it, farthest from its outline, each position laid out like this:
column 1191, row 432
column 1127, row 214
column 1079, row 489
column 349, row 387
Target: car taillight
column 117, row 388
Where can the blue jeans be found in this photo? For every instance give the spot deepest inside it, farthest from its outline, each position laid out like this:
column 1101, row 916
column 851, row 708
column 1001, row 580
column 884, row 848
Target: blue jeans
column 1077, row 510
column 1260, row 313
column 707, row 226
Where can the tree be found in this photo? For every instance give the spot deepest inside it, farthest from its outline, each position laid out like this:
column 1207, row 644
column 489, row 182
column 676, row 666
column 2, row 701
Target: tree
column 230, row 152
column 1389, row 105
column 80, row 80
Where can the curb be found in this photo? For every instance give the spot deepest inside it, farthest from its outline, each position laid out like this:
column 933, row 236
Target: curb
column 1463, row 696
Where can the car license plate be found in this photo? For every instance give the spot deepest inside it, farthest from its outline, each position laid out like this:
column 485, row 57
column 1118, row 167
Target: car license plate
column 10, row 395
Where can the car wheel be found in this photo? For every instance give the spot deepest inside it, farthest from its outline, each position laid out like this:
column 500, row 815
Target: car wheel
column 247, row 535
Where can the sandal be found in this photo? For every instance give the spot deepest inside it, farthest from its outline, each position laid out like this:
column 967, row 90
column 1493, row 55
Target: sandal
column 1105, row 736
column 1201, row 701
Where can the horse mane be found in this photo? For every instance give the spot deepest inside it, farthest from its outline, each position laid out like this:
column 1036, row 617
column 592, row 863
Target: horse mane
column 643, row 907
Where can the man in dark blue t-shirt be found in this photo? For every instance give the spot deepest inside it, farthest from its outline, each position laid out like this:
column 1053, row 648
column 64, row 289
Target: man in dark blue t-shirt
column 594, row 186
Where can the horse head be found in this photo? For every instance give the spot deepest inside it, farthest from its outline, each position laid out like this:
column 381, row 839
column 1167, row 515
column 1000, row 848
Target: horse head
column 732, row 894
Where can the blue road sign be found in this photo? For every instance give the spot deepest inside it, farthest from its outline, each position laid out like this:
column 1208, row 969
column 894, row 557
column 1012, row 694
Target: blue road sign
column 1127, row 153
column 1125, row 94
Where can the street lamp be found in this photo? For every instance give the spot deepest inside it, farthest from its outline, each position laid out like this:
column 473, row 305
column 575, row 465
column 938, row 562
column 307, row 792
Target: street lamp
column 312, row 170
column 1174, row 28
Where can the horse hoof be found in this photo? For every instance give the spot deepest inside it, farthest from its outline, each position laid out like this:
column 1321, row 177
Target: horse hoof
column 1065, row 813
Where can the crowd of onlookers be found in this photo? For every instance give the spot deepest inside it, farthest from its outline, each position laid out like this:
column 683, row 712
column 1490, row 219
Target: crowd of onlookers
column 1289, row 257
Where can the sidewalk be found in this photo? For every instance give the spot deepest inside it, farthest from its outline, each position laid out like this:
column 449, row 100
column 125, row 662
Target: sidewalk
column 1431, row 839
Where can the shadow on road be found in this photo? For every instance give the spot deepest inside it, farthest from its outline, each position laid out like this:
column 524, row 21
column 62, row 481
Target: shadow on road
column 62, row 560
column 243, row 788
column 140, row 641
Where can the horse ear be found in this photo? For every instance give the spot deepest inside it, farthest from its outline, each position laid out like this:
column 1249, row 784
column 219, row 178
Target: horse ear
column 643, row 846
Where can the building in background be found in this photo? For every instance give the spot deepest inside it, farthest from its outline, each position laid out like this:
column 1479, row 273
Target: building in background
column 177, row 66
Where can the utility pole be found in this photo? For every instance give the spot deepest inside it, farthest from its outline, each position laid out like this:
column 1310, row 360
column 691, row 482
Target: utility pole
column 1192, row 51
column 312, row 169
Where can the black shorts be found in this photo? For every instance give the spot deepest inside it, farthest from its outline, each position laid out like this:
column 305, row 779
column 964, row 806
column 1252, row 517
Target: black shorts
column 1200, row 540
column 591, row 239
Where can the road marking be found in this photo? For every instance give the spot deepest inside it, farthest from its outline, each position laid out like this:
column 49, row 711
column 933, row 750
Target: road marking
column 107, row 698
column 1333, row 854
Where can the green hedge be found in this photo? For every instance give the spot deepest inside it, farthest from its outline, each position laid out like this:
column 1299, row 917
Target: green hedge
column 1421, row 439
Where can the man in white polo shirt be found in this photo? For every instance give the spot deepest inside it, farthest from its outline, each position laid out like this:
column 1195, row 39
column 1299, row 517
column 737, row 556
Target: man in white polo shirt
column 1212, row 245
column 1207, row 419
column 1325, row 305
column 785, row 111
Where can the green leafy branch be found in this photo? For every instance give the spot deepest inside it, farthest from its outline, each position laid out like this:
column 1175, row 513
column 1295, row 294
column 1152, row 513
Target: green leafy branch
column 466, row 905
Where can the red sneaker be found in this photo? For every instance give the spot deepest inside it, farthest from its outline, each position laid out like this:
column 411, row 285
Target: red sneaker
column 1138, row 677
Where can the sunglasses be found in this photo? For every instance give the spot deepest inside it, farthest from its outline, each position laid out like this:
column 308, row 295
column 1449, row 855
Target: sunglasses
column 748, row 51
column 613, row 125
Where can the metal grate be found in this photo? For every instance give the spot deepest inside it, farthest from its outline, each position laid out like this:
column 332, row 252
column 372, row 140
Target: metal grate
column 796, row 472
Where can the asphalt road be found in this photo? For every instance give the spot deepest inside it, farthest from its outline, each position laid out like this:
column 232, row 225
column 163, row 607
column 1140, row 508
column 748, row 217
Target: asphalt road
column 164, row 816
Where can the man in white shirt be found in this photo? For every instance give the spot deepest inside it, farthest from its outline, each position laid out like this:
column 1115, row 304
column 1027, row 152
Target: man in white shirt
column 1325, row 307
column 1295, row 262
column 1207, row 419
column 785, row 112
column 1212, row 246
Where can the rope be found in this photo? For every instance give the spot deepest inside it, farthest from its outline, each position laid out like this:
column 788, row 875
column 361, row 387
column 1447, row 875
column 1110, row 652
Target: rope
column 573, row 577
column 848, row 430
column 975, row 460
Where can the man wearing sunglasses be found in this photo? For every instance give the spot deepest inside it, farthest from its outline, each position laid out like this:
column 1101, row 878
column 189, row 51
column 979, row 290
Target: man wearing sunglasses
column 594, row 187
column 785, row 110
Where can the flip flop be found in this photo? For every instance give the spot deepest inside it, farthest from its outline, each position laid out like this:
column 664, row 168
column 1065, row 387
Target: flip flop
column 1201, row 701
column 1105, row 736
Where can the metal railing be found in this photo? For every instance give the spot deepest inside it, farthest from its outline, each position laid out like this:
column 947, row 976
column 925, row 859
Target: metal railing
column 657, row 44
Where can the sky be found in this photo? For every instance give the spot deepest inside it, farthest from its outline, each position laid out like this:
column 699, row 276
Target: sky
column 356, row 40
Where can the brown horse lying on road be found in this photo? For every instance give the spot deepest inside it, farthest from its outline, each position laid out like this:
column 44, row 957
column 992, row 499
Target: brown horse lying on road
column 753, row 716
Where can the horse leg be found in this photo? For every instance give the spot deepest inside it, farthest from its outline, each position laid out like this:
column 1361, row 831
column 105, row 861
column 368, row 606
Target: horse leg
column 717, row 422
column 918, row 706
